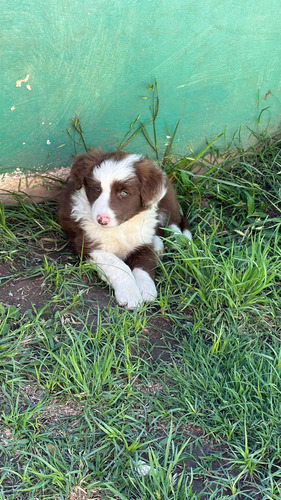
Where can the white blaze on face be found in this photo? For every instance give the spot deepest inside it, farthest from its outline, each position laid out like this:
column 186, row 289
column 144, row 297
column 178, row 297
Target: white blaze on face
column 106, row 173
column 102, row 211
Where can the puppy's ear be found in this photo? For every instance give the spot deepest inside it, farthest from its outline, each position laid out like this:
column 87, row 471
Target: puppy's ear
column 153, row 182
column 83, row 166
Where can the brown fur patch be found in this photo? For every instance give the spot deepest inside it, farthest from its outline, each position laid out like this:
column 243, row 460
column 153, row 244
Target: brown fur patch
column 125, row 199
column 143, row 258
column 152, row 180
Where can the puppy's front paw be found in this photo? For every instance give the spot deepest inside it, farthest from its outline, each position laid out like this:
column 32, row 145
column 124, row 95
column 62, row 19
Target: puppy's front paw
column 145, row 284
column 128, row 296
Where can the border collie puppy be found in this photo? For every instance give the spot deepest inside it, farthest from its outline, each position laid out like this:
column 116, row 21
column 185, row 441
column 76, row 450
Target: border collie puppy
column 113, row 207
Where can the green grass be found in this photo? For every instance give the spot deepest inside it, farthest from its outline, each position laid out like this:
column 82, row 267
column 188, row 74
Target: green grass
column 189, row 387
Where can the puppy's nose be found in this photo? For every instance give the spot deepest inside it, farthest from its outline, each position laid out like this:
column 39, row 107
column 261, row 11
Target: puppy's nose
column 103, row 220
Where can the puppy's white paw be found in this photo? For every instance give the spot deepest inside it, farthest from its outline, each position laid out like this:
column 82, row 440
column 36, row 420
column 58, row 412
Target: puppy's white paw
column 145, row 284
column 187, row 234
column 149, row 294
column 128, row 295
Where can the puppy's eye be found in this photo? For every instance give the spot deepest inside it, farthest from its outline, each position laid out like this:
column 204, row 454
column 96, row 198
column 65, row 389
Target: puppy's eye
column 124, row 193
column 97, row 189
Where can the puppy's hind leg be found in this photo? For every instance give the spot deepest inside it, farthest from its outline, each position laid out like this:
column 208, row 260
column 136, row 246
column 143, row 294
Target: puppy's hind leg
column 185, row 229
column 182, row 228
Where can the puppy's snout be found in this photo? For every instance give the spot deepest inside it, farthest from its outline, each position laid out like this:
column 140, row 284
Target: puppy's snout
column 103, row 220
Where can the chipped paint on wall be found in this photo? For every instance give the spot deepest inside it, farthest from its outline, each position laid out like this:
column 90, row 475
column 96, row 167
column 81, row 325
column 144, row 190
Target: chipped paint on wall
column 24, row 80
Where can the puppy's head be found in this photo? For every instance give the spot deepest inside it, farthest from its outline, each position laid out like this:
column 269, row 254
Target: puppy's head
column 118, row 185
column 83, row 166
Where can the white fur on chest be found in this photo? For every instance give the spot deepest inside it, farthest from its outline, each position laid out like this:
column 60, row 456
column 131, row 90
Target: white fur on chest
column 119, row 240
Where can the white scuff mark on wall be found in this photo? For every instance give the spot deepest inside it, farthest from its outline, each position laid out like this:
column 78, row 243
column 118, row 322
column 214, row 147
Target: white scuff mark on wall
column 13, row 108
column 28, row 87
column 167, row 141
column 24, row 80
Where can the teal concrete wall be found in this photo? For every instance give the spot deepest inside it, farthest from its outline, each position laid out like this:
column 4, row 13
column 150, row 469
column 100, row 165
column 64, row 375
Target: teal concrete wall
column 217, row 64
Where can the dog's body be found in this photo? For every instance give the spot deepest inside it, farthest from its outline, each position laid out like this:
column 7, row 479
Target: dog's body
column 113, row 208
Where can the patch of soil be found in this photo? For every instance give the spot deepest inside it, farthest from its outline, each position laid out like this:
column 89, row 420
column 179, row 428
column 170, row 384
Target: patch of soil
column 30, row 294
column 157, row 340
column 95, row 494
column 22, row 292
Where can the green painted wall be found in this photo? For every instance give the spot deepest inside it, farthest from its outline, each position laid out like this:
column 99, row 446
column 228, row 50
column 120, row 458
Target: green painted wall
column 217, row 64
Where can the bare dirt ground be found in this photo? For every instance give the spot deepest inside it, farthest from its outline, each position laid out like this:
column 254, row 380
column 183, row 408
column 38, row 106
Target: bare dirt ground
column 29, row 293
